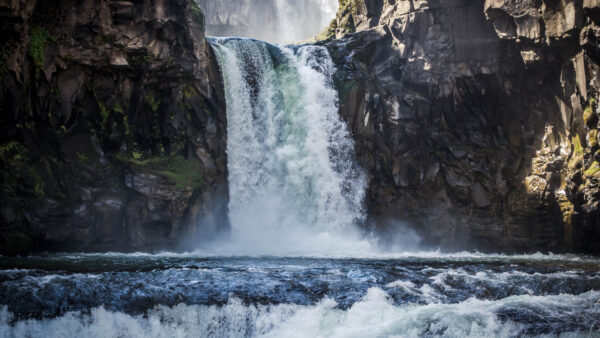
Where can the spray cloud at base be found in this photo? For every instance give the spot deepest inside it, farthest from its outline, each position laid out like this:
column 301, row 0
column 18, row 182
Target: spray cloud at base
column 294, row 186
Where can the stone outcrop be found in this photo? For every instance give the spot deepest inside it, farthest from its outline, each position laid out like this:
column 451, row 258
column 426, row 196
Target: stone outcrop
column 113, row 127
column 476, row 120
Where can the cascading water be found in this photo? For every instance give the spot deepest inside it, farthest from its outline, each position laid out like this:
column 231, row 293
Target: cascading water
column 294, row 186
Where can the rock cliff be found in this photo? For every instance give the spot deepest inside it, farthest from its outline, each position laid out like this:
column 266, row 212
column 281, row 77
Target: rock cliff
column 113, row 130
column 477, row 121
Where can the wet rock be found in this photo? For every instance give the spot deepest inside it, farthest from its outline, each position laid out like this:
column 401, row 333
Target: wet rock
column 480, row 196
column 108, row 105
column 494, row 93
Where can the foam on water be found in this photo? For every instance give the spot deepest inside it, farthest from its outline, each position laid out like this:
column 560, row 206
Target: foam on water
column 430, row 255
column 374, row 316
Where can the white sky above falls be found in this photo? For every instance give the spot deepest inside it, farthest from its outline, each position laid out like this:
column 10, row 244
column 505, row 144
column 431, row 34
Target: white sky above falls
column 275, row 21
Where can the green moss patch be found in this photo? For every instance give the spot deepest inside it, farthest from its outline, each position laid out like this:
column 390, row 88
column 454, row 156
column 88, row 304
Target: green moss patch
column 197, row 13
column 593, row 138
column 181, row 172
column 152, row 102
column 578, row 151
column 39, row 40
column 593, row 170
column 567, row 209
column 17, row 171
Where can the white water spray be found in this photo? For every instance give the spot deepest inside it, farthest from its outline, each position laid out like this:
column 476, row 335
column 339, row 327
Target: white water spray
column 277, row 21
column 294, row 186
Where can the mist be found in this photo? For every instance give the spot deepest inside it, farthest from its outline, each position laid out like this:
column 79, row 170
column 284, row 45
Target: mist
column 275, row 21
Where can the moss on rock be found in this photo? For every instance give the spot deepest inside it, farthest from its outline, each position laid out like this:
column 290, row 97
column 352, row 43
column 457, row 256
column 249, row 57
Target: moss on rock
column 578, row 152
column 181, row 172
column 39, row 40
column 593, row 170
column 17, row 171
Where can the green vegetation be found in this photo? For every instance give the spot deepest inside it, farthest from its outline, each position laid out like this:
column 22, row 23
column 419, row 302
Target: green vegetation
column 104, row 113
column 179, row 171
column 328, row 32
column 197, row 13
column 117, row 109
column 16, row 170
column 82, row 157
column 126, row 125
column 593, row 138
column 343, row 21
column 577, row 147
column 567, row 209
column 152, row 102
column 189, row 91
column 589, row 117
column 39, row 40
column 577, row 156
column 593, row 170
column 138, row 60
column 107, row 38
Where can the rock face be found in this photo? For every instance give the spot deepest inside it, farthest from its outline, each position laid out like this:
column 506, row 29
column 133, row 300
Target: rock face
column 113, row 127
column 476, row 120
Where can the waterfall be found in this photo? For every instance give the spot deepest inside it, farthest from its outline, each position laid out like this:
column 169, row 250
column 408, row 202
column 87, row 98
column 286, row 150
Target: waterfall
column 277, row 21
column 294, row 185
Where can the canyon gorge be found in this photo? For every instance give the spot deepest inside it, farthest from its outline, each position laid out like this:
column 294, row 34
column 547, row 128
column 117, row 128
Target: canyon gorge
column 474, row 123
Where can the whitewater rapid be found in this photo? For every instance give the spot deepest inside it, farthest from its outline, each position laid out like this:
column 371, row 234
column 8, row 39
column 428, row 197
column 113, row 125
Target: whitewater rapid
column 169, row 295
column 294, row 186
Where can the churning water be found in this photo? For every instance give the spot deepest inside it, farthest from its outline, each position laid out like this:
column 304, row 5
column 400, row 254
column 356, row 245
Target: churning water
column 411, row 295
column 293, row 183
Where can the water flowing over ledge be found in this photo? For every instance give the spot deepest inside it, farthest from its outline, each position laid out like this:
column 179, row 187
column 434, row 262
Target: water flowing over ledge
column 294, row 185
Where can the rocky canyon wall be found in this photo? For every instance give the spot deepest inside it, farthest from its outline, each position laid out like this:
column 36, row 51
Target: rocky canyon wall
column 476, row 120
column 113, row 130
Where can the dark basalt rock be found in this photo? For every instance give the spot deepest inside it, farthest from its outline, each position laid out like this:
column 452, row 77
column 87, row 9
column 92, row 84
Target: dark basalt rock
column 112, row 126
column 469, row 118
column 476, row 122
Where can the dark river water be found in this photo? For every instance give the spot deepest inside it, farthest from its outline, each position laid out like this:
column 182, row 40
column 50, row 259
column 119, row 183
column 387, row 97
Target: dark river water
column 409, row 295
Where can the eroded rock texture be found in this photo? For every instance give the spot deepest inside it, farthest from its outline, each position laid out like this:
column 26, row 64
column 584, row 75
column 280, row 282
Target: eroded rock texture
column 476, row 120
column 112, row 133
